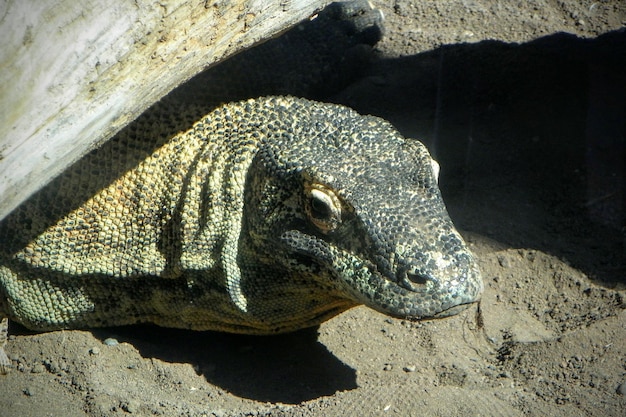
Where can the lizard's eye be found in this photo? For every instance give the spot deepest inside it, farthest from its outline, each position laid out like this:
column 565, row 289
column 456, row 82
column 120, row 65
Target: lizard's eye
column 323, row 207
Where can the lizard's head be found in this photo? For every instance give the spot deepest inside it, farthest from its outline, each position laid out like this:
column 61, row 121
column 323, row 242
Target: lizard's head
column 346, row 200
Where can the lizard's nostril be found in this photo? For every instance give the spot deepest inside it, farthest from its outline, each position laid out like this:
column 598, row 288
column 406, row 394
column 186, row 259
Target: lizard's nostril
column 412, row 277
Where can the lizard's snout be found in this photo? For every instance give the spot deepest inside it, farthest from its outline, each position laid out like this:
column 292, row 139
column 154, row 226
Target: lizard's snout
column 435, row 272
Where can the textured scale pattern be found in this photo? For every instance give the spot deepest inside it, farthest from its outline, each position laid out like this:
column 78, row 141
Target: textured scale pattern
column 264, row 216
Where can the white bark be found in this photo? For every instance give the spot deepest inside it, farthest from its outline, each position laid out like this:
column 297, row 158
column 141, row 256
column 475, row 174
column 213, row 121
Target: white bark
column 74, row 72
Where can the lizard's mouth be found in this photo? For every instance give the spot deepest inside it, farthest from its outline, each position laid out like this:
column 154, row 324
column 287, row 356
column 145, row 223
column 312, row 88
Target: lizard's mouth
column 454, row 310
column 414, row 296
column 405, row 295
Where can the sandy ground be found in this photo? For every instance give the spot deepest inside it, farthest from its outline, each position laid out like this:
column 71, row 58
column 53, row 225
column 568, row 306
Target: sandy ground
column 528, row 124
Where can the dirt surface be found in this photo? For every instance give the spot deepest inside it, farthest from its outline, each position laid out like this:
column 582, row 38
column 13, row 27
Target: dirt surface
column 528, row 124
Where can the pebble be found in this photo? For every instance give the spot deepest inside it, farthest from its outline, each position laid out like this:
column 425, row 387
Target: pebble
column 387, row 367
column 54, row 367
column 94, row 351
column 109, row 341
column 130, row 406
column 504, row 261
column 38, row 369
column 621, row 388
column 410, row 368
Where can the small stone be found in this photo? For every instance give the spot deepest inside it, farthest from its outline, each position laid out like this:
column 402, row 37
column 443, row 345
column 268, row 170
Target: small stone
column 94, row 351
column 28, row 392
column 130, row 406
column 410, row 368
column 219, row 413
column 38, row 369
column 387, row 367
column 52, row 366
column 621, row 389
column 400, row 10
column 504, row 261
column 109, row 341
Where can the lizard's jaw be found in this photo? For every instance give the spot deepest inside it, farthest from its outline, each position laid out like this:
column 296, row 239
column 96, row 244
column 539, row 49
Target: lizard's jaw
column 453, row 310
column 452, row 293
column 442, row 293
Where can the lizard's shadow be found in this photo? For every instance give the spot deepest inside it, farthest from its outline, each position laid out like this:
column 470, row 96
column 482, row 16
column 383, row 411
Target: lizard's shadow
column 288, row 368
column 530, row 138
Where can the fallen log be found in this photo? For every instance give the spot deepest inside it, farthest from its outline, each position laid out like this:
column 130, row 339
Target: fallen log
column 73, row 73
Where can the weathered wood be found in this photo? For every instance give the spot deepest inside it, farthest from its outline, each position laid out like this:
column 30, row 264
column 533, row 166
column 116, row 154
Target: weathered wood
column 74, row 72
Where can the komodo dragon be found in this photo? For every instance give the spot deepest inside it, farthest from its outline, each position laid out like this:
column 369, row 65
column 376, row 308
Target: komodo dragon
column 265, row 216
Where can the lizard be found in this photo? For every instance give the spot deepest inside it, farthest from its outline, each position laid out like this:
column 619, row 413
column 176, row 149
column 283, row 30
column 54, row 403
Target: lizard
column 260, row 216
column 265, row 216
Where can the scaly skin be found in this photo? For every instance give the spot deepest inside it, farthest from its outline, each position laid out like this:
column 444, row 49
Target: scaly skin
column 264, row 216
